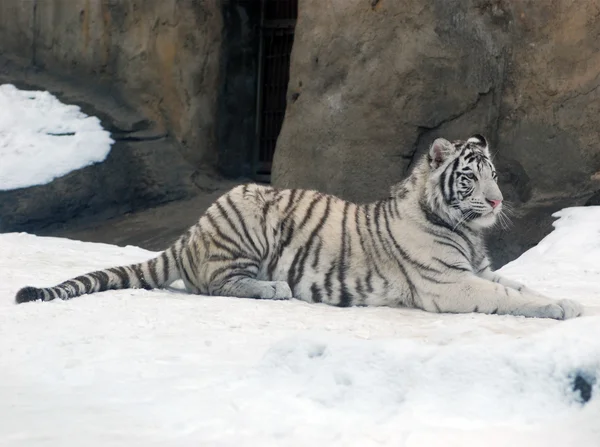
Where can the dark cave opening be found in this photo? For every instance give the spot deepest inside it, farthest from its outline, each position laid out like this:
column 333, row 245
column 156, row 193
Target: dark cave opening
column 255, row 59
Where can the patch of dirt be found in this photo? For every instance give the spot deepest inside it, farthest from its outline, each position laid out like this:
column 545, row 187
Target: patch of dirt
column 153, row 229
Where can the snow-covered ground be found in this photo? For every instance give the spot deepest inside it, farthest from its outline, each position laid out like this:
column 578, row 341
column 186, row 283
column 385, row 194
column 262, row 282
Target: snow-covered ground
column 137, row 368
column 42, row 139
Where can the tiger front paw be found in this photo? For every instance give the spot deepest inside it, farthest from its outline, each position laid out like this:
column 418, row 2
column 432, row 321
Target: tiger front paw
column 561, row 310
column 280, row 290
column 571, row 309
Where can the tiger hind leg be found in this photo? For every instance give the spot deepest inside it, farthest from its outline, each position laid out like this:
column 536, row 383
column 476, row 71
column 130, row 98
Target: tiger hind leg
column 245, row 287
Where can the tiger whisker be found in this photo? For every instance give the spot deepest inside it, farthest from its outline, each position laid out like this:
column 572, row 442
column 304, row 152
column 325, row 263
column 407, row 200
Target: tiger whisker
column 466, row 216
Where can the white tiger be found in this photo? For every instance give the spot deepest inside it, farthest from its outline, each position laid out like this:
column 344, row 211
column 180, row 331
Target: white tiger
column 422, row 247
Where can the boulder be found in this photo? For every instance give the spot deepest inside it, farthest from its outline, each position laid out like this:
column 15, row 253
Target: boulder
column 373, row 83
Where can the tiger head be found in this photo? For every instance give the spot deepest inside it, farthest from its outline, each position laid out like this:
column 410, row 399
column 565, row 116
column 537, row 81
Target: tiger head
column 463, row 182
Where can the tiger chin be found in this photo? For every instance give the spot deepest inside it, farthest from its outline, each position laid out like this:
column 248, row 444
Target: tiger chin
column 422, row 247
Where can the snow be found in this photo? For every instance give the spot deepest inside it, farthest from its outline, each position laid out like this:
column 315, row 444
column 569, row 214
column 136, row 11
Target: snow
column 42, row 139
column 149, row 368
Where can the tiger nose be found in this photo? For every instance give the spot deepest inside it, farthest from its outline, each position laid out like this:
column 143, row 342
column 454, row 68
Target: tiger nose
column 494, row 203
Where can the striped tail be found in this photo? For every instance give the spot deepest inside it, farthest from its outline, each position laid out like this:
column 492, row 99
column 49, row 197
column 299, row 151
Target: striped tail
column 155, row 273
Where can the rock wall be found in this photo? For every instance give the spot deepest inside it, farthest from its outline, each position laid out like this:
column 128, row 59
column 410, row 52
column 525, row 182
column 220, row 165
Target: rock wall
column 374, row 82
column 163, row 55
column 150, row 70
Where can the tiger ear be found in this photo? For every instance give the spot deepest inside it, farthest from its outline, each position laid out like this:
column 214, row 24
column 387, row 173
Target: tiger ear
column 480, row 141
column 439, row 152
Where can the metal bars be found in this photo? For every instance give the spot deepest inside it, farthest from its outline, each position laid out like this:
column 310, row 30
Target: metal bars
column 276, row 40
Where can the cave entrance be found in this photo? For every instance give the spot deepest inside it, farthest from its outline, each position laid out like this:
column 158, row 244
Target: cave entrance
column 255, row 65
column 278, row 22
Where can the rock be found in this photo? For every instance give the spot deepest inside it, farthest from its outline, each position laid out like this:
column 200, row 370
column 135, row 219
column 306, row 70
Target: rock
column 148, row 70
column 163, row 56
column 133, row 176
column 159, row 75
column 375, row 82
column 583, row 387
